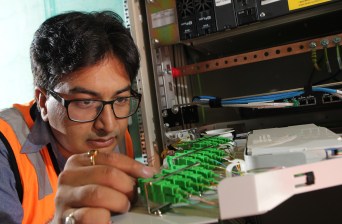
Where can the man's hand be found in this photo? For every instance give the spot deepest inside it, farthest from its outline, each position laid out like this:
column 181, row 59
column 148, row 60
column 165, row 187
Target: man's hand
column 89, row 193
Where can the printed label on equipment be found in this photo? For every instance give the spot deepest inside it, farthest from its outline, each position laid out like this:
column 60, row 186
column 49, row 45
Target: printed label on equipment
column 298, row 4
column 163, row 18
column 222, row 2
column 266, row 2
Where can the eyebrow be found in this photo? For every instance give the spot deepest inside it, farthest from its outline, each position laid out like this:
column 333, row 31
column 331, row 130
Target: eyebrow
column 78, row 89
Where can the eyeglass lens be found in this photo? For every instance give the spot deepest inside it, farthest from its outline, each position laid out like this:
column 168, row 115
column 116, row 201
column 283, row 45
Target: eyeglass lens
column 87, row 110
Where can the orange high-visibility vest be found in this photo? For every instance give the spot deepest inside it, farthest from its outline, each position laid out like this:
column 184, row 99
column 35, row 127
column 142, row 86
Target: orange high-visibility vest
column 37, row 175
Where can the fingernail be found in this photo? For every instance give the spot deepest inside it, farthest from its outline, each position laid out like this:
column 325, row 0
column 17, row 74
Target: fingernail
column 129, row 206
column 148, row 171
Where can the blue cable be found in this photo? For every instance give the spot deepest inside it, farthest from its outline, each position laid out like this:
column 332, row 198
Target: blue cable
column 263, row 98
column 325, row 90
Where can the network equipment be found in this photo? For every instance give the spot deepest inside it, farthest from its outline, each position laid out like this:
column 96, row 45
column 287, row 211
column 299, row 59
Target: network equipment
column 225, row 15
column 290, row 146
column 270, row 9
column 202, row 17
column 205, row 17
column 186, row 19
column 283, row 100
column 195, row 168
column 273, row 8
column 195, row 177
column 195, row 18
column 246, row 11
column 284, row 195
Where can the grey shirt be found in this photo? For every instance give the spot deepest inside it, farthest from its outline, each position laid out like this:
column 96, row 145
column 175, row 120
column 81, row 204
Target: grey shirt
column 40, row 135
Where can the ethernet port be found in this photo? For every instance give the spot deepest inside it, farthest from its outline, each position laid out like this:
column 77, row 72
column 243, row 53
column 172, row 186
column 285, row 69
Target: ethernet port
column 311, row 100
column 335, row 98
column 326, row 98
column 302, row 101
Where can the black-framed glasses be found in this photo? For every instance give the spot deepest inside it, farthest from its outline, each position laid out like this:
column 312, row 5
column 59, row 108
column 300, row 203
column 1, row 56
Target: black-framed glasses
column 80, row 110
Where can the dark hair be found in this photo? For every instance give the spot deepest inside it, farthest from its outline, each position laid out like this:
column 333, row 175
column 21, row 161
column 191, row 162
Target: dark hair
column 71, row 41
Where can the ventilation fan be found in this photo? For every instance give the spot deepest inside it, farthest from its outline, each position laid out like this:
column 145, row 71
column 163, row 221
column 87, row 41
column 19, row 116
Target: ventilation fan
column 185, row 8
column 203, row 5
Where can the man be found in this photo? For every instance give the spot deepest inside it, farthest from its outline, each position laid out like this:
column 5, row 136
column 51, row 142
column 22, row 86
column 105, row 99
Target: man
column 57, row 153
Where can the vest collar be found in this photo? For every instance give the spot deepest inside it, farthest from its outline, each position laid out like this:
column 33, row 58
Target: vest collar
column 40, row 135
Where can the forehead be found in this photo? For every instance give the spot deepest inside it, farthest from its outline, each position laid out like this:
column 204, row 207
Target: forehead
column 108, row 74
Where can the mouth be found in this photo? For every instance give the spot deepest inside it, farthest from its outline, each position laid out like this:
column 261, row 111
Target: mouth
column 101, row 143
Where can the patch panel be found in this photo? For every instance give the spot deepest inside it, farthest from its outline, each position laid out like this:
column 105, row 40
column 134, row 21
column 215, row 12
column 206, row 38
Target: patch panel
column 313, row 100
column 329, row 98
column 195, row 168
column 307, row 101
column 335, row 98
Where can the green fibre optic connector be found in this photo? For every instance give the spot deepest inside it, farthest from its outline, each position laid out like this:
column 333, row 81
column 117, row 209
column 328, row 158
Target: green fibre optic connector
column 208, row 160
column 185, row 161
column 217, row 152
column 186, row 184
column 295, row 102
column 201, row 158
column 170, row 161
column 204, row 172
column 156, row 191
column 179, row 153
column 211, row 156
column 182, row 153
column 199, row 145
column 184, row 145
column 164, row 192
column 176, row 198
column 197, row 178
column 209, row 166
column 168, row 171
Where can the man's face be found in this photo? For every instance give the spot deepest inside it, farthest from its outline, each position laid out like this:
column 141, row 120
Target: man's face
column 104, row 81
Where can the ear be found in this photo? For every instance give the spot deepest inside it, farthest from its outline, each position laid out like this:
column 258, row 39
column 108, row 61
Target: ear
column 40, row 96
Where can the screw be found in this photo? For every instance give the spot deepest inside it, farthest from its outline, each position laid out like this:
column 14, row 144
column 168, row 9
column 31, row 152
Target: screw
column 325, row 42
column 164, row 113
column 313, row 45
column 175, row 109
column 337, row 40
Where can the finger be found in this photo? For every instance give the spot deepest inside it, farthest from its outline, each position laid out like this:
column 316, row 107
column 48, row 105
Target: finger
column 88, row 215
column 117, row 160
column 101, row 175
column 93, row 196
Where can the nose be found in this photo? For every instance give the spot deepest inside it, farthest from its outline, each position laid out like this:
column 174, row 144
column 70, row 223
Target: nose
column 106, row 121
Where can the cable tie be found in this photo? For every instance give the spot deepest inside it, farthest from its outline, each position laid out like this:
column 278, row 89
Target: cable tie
column 215, row 103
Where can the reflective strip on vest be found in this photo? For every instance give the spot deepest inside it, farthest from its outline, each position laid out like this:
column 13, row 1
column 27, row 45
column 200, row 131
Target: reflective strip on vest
column 14, row 118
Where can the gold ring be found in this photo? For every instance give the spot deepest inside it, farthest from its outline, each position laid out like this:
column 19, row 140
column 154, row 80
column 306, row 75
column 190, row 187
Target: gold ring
column 92, row 154
column 70, row 219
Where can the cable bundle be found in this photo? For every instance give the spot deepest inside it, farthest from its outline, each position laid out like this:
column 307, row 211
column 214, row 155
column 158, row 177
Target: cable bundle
column 259, row 102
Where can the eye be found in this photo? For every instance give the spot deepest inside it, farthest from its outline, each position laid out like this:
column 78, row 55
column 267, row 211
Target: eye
column 122, row 101
column 85, row 103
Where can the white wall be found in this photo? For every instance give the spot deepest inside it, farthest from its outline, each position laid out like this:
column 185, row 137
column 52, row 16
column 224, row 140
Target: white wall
column 18, row 21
